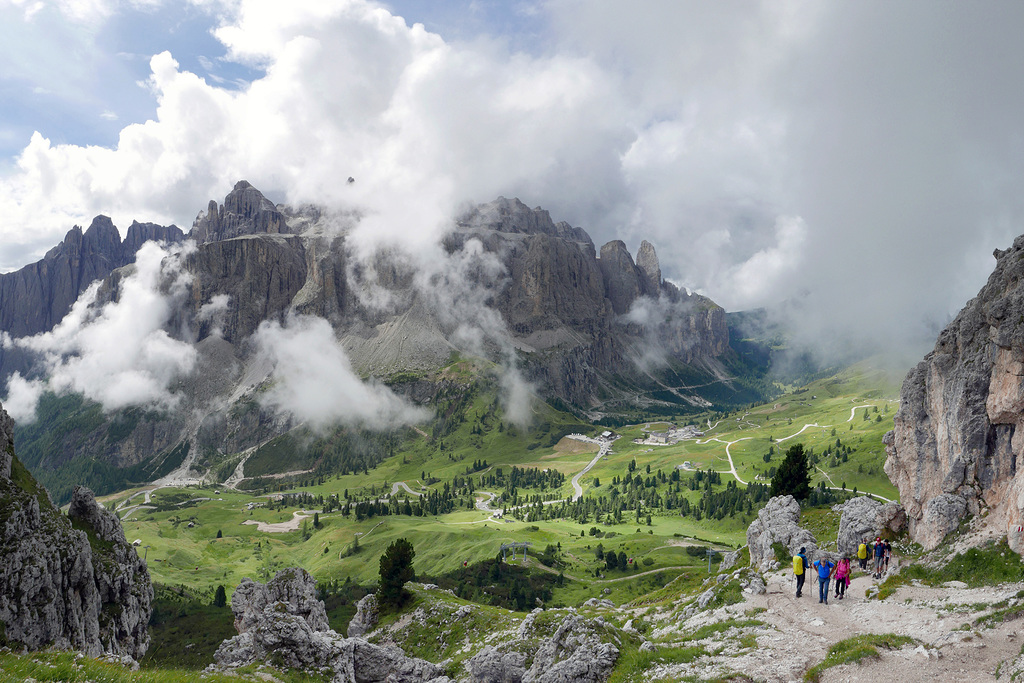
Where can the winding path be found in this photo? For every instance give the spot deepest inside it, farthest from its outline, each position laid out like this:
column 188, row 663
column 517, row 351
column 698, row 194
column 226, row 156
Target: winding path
column 402, row 484
column 802, row 429
column 853, row 410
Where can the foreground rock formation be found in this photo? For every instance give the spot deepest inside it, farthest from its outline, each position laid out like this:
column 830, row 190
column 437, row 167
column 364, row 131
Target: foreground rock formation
column 958, row 438
column 67, row 582
column 283, row 622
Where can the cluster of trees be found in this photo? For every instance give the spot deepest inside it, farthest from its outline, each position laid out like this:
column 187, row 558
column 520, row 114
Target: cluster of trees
column 613, row 560
column 494, row 582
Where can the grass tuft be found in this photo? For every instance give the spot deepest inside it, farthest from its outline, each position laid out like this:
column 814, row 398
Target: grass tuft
column 856, row 649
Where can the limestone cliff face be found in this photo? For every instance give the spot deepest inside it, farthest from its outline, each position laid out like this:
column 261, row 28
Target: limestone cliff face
column 584, row 328
column 38, row 296
column 68, row 582
column 571, row 312
column 958, row 435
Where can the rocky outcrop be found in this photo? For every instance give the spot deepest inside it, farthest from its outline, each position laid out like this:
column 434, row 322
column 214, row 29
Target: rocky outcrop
column 650, row 269
column 245, row 211
column 490, row 665
column 68, row 582
column 778, row 522
column 284, row 623
column 621, row 277
column 365, row 617
column 573, row 653
column 864, row 517
column 957, row 440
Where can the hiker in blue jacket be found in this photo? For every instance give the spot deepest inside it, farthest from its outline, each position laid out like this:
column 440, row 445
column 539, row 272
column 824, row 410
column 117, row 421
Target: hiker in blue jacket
column 825, row 568
column 879, row 551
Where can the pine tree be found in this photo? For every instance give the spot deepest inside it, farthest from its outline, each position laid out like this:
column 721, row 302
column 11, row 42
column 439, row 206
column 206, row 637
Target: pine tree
column 793, row 476
column 220, row 598
column 395, row 570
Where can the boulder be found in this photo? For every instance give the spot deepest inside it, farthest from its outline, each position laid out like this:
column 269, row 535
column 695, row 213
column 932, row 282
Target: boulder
column 729, row 560
column 778, row 522
column 864, row 517
column 292, row 590
column 365, row 617
column 493, row 666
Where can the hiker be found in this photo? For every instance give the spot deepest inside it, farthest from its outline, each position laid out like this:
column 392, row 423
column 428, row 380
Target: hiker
column 824, row 567
column 888, row 554
column 879, row 552
column 842, row 577
column 862, row 554
column 800, row 567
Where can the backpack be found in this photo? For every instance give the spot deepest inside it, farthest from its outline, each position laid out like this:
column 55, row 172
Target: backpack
column 862, row 551
column 798, row 564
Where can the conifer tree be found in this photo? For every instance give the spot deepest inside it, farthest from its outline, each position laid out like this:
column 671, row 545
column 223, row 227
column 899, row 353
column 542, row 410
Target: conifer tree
column 793, row 476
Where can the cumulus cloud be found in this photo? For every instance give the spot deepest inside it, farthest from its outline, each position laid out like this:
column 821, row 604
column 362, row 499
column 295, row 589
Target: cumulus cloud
column 312, row 379
column 118, row 353
column 891, row 134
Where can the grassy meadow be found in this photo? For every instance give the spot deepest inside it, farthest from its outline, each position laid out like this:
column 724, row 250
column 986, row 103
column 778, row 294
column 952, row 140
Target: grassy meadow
column 204, row 537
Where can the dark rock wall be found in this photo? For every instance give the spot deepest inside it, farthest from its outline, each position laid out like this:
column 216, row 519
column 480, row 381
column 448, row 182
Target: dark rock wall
column 68, row 582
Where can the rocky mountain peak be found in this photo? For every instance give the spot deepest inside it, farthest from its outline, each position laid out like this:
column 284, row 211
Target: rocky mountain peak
column 621, row 276
column 245, row 212
column 140, row 233
column 513, row 216
column 647, row 262
column 38, row 296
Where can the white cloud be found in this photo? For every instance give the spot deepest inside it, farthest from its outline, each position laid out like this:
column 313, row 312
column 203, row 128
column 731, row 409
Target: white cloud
column 313, row 379
column 893, row 132
column 117, row 353
column 22, row 397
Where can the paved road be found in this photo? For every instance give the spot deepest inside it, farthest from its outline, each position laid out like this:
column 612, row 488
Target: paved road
column 402, row 484
column 606, row 446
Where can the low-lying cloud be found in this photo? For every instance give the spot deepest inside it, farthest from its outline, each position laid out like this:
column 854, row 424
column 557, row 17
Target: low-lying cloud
column 117, row 353
column 312, row 379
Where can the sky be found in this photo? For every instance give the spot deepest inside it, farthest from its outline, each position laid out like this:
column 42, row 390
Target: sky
column 857, row 160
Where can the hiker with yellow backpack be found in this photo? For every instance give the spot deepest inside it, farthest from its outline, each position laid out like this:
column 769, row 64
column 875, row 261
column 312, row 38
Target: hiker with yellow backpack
column 862, row 554
column 800, row 567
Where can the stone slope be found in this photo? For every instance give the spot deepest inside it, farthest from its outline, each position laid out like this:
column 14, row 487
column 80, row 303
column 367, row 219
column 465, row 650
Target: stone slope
column 68, row 582
column 957, row 438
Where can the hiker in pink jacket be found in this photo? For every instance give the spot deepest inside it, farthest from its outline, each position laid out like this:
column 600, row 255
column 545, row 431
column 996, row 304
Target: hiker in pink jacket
column 842, row 577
